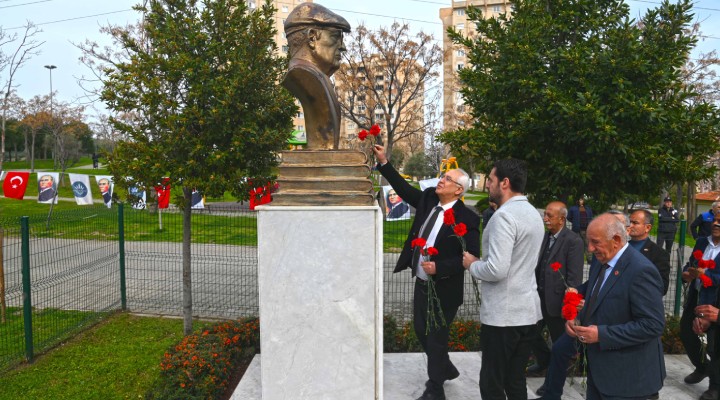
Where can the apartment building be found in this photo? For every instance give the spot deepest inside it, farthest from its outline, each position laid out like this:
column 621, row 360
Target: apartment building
column 455, row 113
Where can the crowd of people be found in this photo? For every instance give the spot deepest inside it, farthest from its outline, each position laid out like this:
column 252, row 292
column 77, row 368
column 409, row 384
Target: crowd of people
column 529, row 266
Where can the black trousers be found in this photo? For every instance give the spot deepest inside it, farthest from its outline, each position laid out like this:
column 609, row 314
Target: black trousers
column 666, row 239
column 690, row 339
column 505, row 351
column 435, row 341
column 556, row 327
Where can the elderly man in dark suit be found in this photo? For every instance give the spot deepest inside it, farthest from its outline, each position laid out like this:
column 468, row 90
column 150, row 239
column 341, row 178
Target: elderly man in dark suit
column 445, row 269
column 564, row 247
column 622, row 318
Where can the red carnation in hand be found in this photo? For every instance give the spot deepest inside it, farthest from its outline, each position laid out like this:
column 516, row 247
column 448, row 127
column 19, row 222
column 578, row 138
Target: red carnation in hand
column 418, row 242
column 697, row 254
column 572, row 298
column 431, row 251
column 363, row 134
column 707, row 264
column 555, row 266
column 569, row 312
column 460, row 229
column 449, row 217
column 706, row 281
column 375, row 130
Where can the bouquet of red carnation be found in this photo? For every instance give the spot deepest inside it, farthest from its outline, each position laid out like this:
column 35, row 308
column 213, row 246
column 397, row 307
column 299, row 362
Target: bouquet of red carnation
column 374, row 132
column 571, row 301
column 460, row 230
column 434, row 320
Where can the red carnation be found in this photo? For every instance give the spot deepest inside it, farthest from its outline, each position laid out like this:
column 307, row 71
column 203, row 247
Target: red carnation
column 418, row 242
column 375, row 130
column 460, row 229
column 707, row 264
column 449, row 217
column 363, row 134
column 556, row 266
column 572, row 298
column 697, row 254
column 431, row 251
column 569, row 312
column 706, row 281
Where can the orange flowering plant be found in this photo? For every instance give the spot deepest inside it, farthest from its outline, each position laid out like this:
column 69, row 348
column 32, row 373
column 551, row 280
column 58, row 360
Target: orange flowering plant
column 201, row 365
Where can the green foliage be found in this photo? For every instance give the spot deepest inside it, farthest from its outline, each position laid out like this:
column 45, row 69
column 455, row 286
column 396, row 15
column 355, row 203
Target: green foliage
column 201, row 365
column 419, row 165
column 591, row 99
column 201, row 83
column 464, row 336
column 671, row 336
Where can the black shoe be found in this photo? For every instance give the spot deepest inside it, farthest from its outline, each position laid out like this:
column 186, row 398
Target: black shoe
column 535, row 371
column 540, row 391
column 695, row 377
column 710, row 394
column 655, row 396
column 454, row 373
column 432, row 392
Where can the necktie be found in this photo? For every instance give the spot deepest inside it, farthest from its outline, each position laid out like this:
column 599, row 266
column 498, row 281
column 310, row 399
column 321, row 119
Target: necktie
column 427, row 227
column 598, row 283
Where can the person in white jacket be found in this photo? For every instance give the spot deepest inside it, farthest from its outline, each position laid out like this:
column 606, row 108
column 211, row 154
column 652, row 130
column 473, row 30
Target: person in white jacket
column 510, row 305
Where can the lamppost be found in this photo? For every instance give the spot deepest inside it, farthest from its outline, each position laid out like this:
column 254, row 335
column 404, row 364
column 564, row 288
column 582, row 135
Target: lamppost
column 52, row 117
column 51, row 67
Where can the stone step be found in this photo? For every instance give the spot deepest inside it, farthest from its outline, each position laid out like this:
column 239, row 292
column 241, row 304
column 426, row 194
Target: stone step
column 305, row 198
column 313, row 171
column 315, row 157
column 325, row 184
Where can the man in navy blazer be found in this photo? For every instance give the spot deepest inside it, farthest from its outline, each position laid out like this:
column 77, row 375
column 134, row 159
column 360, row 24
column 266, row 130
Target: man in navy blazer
column 622, row 320
column 445, row 269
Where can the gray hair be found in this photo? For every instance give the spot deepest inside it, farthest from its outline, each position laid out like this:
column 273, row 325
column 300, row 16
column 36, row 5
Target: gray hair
column 715, row 204
column 463, row 180
column 647, row 216
column 617, row 214
column 614, row 226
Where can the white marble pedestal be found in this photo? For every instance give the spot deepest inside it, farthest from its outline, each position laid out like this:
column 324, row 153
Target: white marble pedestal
column 320, row 285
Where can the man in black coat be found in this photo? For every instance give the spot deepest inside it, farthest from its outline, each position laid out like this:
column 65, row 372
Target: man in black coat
column 668, row 219
column 445, row 268
column 641, row 222
column 564, row 247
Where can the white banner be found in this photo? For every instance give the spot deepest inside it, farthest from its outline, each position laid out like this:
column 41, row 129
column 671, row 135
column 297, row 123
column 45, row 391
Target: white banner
column 47, row 187
column 140, row 197
column 80, row 184
column 105, row 184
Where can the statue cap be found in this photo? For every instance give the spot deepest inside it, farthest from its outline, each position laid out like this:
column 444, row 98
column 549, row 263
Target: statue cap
column 312, row 14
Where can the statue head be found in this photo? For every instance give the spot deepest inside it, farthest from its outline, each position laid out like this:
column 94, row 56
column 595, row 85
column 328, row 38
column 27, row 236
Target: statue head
column 315, row 35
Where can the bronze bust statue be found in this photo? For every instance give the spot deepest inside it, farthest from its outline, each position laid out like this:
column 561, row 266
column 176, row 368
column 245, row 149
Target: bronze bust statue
column 315, row 39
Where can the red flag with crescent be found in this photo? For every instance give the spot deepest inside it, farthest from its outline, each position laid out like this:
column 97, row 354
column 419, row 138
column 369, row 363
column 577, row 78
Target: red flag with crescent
column 15, row 184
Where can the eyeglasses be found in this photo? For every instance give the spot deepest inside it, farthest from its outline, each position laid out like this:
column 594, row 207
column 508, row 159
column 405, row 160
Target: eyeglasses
column 449, row 179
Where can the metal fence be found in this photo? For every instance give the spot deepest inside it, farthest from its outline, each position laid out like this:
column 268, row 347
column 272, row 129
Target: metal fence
column 62, row 276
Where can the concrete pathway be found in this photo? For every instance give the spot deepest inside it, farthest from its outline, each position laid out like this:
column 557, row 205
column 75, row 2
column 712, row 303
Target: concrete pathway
column 404, row 378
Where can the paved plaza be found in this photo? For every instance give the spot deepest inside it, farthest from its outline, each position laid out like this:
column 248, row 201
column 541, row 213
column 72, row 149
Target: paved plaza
column 404, row 377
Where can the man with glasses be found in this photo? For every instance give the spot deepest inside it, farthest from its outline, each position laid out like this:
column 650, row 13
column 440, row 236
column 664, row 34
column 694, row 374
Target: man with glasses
column 445, row 268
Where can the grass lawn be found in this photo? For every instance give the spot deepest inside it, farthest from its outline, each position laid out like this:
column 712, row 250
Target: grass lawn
column 117, row 359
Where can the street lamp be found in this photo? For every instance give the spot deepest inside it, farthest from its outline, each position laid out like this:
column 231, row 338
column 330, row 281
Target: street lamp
column 51, row 67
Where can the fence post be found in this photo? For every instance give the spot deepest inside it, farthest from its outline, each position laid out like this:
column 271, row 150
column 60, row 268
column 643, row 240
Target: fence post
column 680, row 263
column 121, row 236
column 27, row 301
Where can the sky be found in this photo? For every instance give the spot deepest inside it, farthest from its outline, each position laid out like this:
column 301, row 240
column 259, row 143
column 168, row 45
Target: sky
column 65, row 22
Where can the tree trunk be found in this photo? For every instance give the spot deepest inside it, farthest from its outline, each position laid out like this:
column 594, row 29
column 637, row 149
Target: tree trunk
column 187, row 281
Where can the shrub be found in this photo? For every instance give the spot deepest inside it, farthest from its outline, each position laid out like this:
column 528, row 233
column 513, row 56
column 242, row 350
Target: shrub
column 671, row 336
column 201, row 365
column 464, row 336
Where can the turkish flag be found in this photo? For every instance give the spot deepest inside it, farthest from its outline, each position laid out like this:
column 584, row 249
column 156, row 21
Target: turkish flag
column 15, row 184
column 163, row 192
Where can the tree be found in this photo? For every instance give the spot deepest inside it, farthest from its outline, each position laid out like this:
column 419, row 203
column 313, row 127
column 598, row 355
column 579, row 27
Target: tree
column 35, row 119
column 201, row 79
column 385, row 79
column 25, row 47
column 593, row 101
column 420, row 165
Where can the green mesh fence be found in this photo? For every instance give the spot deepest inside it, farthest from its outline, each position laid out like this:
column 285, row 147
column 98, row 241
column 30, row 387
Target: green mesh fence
column 74, row 278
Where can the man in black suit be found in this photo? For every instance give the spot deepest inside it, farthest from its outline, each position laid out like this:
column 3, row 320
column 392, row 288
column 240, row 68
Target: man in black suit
column 563, row 246
column 641, row 222
column 445, row 269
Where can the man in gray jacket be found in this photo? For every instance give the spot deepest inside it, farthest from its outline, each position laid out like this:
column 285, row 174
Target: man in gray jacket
column 511, row 307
